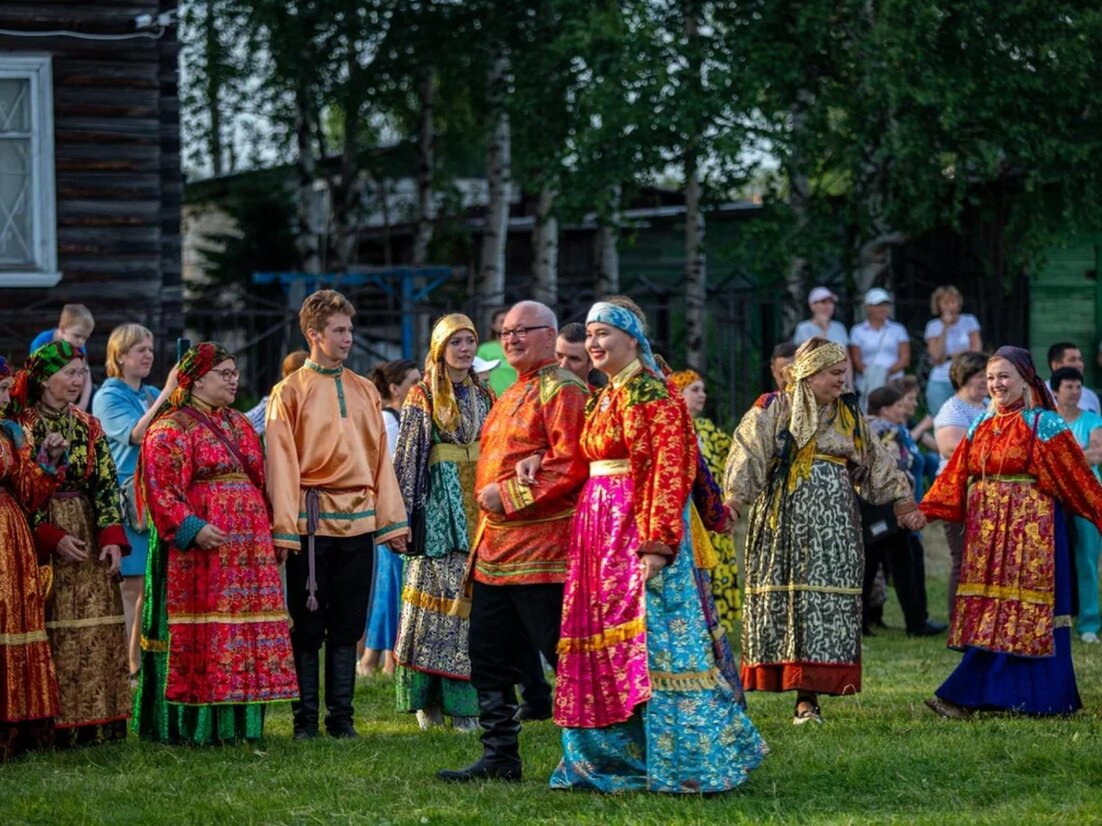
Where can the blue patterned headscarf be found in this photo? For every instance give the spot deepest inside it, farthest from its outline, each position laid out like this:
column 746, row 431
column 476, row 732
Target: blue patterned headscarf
column 616, row 316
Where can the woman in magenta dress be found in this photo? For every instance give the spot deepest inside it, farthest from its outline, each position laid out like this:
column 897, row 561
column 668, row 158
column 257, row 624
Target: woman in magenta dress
column 1008, row 481
column 216, row 648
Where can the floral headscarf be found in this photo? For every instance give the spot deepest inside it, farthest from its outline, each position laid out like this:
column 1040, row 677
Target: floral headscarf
column 684, row 378
column 445, row 410
column 616, row 316
column 1023, row 363
column 196, row 363
column 43, row 363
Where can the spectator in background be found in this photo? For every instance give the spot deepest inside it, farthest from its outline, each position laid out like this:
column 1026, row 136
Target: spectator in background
column 571, row 353
column 393, row 380
column 948, row 334
column 125, row 406
column 291, row 362
column 822, row 324
column 783, row 355
column 957, row 415
column 879, row 348
column 75, row 326
column 1086, row 426
column 502, row 375
column 1066, row 354
column 919, row 433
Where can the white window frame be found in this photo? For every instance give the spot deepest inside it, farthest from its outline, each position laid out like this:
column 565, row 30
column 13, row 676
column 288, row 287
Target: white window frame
column 38, row 70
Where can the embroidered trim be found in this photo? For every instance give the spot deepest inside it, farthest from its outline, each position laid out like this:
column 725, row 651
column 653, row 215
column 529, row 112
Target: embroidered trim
column 157, row 646
column 686, row 681
column 23, row 639
column 340, row 398
column 188, row 530
column 287, row 537
column 325, row 371
column 349, row 517
column 502, row 571
column 393, row 526
column 790, row 588
column 427, row 602
column 87, row 622
column 976, row 589
column 596, row 642
column 227, row 619
column 1061, row 621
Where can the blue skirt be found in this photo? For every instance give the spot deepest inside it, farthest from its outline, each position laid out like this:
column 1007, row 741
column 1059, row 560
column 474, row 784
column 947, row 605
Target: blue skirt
column 382, row 624
column 1027, row 685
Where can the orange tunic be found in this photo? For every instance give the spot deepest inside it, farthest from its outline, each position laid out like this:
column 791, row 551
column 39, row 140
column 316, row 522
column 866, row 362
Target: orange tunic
column 325, row 430
column 542, row 412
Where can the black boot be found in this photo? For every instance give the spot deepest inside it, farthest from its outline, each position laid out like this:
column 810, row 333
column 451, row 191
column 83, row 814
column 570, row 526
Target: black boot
column 305, row 708
column 340, row 685
column 500, row 751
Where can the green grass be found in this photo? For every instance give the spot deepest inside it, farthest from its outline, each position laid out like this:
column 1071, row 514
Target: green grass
column 880, row 757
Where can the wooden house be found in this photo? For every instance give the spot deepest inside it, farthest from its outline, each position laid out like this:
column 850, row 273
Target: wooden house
column 90, row 182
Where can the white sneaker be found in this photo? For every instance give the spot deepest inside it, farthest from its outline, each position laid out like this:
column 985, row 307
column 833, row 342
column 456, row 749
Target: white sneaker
column 1089, row 637
column 465, row 725
column 429, row 718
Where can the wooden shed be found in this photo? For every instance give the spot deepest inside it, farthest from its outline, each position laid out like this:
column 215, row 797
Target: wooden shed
column 90, row 181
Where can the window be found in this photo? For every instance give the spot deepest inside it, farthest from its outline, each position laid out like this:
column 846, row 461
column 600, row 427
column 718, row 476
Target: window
column 28, row 230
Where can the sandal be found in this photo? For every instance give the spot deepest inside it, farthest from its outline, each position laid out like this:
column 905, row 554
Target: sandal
column 810, row 713
column 950, row 711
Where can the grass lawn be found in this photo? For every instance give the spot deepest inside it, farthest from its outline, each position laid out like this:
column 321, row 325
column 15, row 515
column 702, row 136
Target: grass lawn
column 880, row 757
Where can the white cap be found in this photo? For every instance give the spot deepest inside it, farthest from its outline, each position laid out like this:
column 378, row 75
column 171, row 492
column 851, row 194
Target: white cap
column 820, row 294
column 482, row 366
column 877, row 296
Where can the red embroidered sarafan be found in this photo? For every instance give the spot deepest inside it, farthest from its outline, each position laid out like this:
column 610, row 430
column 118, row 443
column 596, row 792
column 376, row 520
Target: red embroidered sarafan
column 1002, row 482
column 228, row 627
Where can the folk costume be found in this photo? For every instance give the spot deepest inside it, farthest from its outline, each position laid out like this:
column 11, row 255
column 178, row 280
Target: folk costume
column 334, row 496
column 714, row 446
column 795, row 465
column 520, row 556
column 28, row 682
column 216, row 650
column 1009, row 481
column 641, row 696
column 435, row 463
column 84, row 613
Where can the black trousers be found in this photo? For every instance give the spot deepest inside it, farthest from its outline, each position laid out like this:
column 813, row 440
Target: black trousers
column 905, row 559
column 344, row 567
column 506, row 620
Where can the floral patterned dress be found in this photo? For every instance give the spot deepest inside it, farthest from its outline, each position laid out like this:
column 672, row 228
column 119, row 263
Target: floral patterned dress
column 714, row 447
column 28, row 691
column 1008, row 482
column 436, row 468
column 216, row 648
column 84, row 616
column 643, row 699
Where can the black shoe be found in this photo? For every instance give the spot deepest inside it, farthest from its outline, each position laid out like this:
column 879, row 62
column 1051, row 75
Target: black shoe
column 528, row 713
column 347, row 733
column 305, row 708
column 509, row 772
column 340, row 686
column 866, row 631
column 931, row 629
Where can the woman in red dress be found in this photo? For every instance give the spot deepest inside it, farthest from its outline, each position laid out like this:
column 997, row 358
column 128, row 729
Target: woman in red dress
column 215, row 642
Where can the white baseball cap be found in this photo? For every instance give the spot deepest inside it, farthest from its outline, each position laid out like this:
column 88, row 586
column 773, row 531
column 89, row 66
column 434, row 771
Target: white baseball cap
column 482, row 366
column 820, row 294
column 877, row 296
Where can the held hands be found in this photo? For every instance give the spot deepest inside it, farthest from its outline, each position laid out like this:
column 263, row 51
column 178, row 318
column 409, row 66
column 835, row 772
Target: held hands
column 653, row 563
column 398, row 544
column 489, row 498
column 54, row 446
column 210, row 537
column 913, row 521
column 72, row 549
column 114, row 554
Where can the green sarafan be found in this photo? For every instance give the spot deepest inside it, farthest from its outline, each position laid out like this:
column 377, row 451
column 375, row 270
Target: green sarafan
column 880, row 757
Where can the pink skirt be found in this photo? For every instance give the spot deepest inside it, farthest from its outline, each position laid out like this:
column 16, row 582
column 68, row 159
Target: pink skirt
column 602, row 670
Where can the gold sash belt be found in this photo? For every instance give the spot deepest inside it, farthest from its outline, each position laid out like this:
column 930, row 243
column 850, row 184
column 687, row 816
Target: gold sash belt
column 223, row 477
column 609, row 467
column 822, row 457
column 1016, row 479
column 453, row 453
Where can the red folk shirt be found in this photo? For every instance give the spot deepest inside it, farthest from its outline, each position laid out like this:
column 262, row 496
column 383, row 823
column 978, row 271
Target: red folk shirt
column 543, row 411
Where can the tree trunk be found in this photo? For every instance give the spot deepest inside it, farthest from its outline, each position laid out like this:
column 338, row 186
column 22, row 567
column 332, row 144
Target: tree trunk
column 498, row 175
column 874, row 258
column 212, row 56
column 606, row 247
column 308, row 238
column 346, row 193
column 545, row 250
column 426, row 143
column 696, row 274
column 799, row 200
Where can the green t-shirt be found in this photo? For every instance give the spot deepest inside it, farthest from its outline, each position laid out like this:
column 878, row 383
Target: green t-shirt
column 501, row 376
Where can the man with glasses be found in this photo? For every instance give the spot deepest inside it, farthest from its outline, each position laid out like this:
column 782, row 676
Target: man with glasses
column 521, row 542
column 334, row 495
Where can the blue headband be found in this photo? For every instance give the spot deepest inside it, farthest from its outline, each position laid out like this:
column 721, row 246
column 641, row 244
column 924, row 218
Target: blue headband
column 630, row 323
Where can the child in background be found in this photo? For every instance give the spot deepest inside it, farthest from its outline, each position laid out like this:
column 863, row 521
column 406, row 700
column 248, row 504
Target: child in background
column 75, row 326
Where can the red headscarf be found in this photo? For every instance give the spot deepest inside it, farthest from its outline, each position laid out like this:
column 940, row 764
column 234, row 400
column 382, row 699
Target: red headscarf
column 1023, row 363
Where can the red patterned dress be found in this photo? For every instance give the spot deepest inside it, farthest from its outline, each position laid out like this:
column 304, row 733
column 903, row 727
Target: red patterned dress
column 28, row 683
column 1009, row 481
column 215, row 640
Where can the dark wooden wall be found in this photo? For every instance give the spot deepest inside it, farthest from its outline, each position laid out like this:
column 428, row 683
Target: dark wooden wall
column 118, row 179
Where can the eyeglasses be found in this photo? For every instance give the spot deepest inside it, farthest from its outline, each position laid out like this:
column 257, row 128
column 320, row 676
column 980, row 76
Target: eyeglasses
column 522, row 332
column 228, row 375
